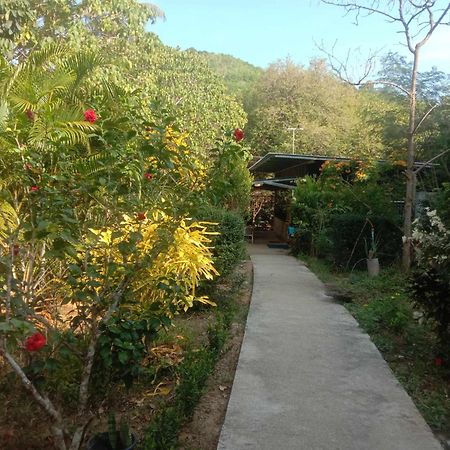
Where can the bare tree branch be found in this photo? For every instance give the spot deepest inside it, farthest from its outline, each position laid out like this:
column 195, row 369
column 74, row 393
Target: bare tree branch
column 434, row 24
column 427, row 163
column 389, row 83
column 425, row 116
column 341, row 68
column 354, row 7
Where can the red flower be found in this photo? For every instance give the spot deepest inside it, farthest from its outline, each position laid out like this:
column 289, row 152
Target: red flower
column 148, row 176
column 30, row 114
column 140, row 216
column 90, row 115
column 34, row 188
column 438, row 361
column 238, row 134
column 35, row 342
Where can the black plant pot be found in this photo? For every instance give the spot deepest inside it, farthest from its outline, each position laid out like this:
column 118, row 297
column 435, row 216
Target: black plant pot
column 101, row 442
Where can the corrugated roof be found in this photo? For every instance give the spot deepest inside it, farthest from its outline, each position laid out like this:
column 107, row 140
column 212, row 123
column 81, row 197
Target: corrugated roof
column 281, row 162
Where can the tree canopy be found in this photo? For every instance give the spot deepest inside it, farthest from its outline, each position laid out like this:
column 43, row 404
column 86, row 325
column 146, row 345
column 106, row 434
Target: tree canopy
column 332, row 117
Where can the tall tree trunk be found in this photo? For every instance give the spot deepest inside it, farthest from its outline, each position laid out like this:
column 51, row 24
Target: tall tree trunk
column 410, row 176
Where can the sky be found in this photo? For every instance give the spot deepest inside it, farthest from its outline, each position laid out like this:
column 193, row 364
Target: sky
column 263, row 31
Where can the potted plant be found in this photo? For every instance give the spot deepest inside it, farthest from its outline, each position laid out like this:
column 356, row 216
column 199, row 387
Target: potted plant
column 373, row 265
column 121, row 438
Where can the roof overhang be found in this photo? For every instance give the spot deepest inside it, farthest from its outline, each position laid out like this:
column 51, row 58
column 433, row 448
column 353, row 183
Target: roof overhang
column 275, row 184
column 276, row 162
column 296, row 165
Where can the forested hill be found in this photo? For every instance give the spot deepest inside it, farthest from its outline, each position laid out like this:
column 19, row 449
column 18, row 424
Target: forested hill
column 239, row 76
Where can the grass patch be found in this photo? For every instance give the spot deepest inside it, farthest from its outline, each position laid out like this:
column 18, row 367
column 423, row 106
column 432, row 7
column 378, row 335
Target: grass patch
column 382, row 307
column 202, row 348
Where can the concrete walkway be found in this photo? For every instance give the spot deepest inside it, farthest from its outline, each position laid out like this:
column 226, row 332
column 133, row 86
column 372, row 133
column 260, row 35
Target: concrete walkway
column 308, row 377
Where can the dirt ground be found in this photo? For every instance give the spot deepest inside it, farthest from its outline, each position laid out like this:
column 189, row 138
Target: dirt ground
column 203, row 431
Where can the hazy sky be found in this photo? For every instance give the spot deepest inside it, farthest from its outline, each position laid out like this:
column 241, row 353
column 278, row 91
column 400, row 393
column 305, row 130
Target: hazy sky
column 262, row 31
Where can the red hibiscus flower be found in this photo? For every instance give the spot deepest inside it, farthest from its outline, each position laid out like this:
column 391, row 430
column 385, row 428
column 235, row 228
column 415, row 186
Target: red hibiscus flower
column 238, row 134
column 90, row 115
column 438, row 361
column 30, row 114
column 35, row 342
column 148, row 176
column 140, row 216
column 34, row 188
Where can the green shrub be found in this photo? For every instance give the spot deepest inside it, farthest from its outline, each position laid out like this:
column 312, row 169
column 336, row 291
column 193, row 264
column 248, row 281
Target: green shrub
column 331, row 210
column 387, row 313
column 122, row 347
column 349, row 234
column 229, row 245
column 194, row 372
column 442, row 203
column 217, row 334
column 301, row 243
column 430, row 280
column 430, row 290
column 162, row 434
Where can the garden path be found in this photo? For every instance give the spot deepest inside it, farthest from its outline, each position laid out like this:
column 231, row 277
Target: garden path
column 308, row 377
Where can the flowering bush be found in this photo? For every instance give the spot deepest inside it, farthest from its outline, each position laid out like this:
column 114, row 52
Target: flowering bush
column 238, row 134
column 229, row 181
column 430, row 281
column 35, row 342
column 85, row 238
column 431, row 241
column 90, row 115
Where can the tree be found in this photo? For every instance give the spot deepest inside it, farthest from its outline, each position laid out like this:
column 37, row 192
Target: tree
column 180, row 82
column 417, row 21
column 239, row 77
column 336, row 119
column 432, row 85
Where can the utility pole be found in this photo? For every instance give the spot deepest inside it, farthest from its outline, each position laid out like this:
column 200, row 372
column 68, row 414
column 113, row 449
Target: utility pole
column 293, row 137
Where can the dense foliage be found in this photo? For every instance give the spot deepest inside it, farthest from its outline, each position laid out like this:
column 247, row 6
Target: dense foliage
column 430, row 281
column 348, row 211
column 109, row 143
column 181, row 82
column 333, row 118
column 228, row 245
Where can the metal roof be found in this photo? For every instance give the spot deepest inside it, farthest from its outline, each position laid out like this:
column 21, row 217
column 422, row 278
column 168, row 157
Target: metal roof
column 277, row 162
column 299, row 165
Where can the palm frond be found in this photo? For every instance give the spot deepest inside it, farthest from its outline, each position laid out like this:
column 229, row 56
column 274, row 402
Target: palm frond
column 48, row 53
column 94, row 164
column 59, row 81
column 9, row 220
column 5, row 73
column 82, row 64
column 71, row 133
column 22, row 95
column 4, row 114
column 44, row 133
